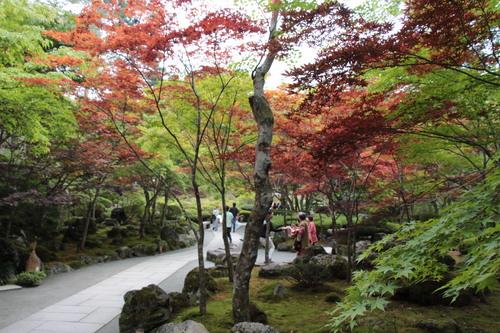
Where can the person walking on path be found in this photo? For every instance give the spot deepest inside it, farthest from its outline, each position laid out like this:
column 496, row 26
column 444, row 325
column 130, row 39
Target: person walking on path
column 265, row 239
column 301, row 234
column 229, row 223
column 215, row 219
column 235, row 213
column 311, row 227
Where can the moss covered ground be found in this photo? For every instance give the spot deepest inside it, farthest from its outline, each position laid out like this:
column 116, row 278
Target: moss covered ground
column 306, row 311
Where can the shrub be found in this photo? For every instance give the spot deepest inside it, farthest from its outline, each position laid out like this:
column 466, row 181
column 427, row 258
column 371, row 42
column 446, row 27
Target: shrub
column 244, row 215
column 368, row 229
column 7, row 272
column 174, row 212
column 30, row 279
column 247, row 207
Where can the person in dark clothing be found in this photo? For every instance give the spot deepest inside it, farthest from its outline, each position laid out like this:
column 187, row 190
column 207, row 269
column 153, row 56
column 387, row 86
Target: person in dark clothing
column 235, row 213
column 267, row 226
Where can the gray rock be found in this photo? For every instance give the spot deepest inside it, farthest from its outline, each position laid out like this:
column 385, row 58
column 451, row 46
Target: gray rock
column 218, row 256
column 186, row 241
column 361, row 246
column 59, row 267
column 143, row 250
column 86, row 260
column 192, row 282
column 285, row 247
column 188, row 326
column 249, row 327
column 147, row 308
column 272, row 270
column 178, row 301
column 280, row 290
column 218, row 271
column 336, row 265
column 125, row 252
column 310, row 252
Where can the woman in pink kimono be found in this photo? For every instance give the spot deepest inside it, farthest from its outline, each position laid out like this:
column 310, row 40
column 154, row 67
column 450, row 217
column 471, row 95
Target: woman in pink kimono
column 311, row 227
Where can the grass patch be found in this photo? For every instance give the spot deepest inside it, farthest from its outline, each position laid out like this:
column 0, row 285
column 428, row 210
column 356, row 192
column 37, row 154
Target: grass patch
column 301, row 310
column 306, row 311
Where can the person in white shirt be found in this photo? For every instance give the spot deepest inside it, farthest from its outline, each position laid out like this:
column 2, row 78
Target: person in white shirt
column 215, row 219
column 229, row 223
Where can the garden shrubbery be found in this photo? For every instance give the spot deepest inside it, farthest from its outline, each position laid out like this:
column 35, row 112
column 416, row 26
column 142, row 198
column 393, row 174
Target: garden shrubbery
column 30, row 279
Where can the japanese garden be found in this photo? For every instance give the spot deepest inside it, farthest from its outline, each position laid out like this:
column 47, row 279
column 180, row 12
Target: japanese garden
column 125, row 123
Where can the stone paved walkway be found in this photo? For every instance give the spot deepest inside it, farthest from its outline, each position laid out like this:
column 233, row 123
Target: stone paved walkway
column 86, row 300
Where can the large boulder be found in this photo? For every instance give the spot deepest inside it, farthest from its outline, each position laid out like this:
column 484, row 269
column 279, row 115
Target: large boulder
column 310, row 252
column 59, row 267
column 361, row 246
column 336, row 265
column 178, row 301
column 250, row 327
column 192, row 281
column 143, row 250
column 147, row 309
column 272, row 270
column 186, row 240
column 218, row 256
column 87, row 261
column 188, row 326
column 218, row 271
column 125, row 252
column 285, row 247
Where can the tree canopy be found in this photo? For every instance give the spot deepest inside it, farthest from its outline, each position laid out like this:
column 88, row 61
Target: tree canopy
column 397, row 111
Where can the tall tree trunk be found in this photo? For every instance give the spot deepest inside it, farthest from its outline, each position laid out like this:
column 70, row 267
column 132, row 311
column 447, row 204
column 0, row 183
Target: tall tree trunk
column 142, row 226
column 88, row 218
column 350, row 236
column 263, row 194
column 164, row 209
column 153, row 207
column 201, row 240
column 267, row 260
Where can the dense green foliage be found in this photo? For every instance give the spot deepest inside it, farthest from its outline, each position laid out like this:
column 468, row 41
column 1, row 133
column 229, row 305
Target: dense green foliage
column 33, row 109
column 412, row 254
column 30, row 279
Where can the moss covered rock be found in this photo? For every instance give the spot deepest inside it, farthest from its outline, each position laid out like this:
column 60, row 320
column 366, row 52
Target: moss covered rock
column 192, row 282
column 146, row 309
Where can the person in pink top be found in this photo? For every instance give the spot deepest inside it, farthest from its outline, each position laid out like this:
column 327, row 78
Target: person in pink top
column 311, row 228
